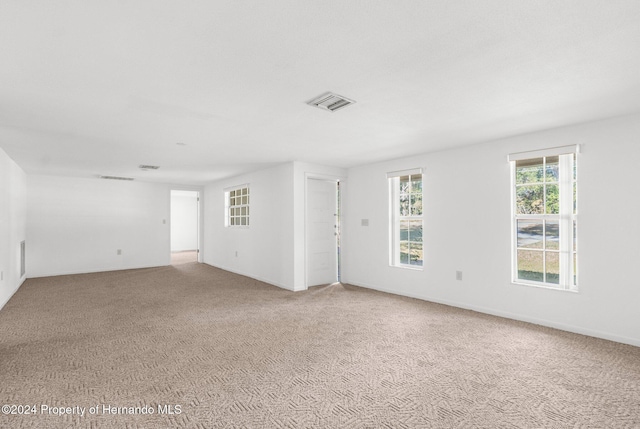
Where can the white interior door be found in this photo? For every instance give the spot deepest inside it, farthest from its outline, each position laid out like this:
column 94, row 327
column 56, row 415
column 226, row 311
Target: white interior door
column 322, row 248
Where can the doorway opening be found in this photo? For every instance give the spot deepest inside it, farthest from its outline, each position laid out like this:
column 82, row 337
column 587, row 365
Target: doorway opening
column 323, row 266
column 185, row 234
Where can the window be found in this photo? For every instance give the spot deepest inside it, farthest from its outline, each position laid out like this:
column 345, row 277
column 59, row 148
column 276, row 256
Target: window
column 406, row 221
column 237, row 206
column 544, row 185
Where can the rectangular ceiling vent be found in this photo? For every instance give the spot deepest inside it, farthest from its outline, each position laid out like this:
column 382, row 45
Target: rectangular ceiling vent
column 148, row 167
column 115, row 178
column 331, row 102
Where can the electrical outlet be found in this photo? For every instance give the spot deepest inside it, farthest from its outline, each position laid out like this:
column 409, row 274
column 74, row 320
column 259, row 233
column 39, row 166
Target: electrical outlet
column 236, row 253
column 1, row 275
column 458, row 275
column 119, row 252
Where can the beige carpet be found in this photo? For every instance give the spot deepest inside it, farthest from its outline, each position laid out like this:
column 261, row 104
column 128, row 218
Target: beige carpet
column 233, row 352
column 184, row 257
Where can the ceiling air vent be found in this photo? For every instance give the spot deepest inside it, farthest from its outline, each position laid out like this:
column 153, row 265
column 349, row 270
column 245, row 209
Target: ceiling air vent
column 331, row 102
column 148, row 167
column 115, row 178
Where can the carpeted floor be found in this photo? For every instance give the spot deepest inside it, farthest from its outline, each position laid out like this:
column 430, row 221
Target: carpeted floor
column 227, row 351
column 184, row 257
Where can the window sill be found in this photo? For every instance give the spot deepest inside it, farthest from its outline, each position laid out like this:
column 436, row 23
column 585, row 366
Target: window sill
column 408, row 267
column 542, row 286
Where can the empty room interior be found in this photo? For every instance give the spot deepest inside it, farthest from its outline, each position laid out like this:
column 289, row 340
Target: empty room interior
column 319, row 214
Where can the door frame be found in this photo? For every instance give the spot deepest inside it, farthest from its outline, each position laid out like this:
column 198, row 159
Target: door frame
column 200, row 230
column 326, row 178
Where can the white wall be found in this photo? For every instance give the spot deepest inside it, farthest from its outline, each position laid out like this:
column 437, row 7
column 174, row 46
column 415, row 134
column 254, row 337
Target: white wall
column 76, row 225
column 467, row 228
column 184, row 220
column 13, row 208
column 265, row 248
column 272, row 249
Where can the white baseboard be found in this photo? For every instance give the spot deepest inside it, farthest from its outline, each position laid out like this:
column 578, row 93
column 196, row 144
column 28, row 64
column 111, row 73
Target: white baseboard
column 261, row 279
column 2, row 304
column 99, row 270
column 514, row 316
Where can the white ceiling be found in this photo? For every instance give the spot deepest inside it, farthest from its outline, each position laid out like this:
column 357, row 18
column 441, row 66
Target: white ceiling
column 98, row 87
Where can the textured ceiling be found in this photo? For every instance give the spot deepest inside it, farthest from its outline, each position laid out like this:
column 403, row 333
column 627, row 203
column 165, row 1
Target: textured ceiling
column 90, row 87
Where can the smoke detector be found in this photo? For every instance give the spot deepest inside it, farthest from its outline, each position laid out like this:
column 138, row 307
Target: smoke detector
column 331, row 102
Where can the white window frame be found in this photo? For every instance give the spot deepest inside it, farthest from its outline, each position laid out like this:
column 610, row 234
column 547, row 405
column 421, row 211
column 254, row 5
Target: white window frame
column 236, row 207
column 567, row 217
column 395, row 218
